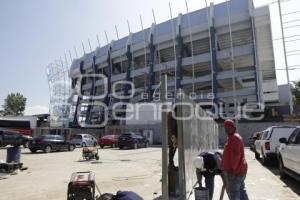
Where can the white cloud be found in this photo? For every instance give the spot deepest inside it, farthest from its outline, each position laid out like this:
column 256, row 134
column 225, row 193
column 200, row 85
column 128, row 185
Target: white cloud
column 37, row 109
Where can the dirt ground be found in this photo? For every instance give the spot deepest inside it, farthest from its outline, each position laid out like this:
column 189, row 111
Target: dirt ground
column 136, row 170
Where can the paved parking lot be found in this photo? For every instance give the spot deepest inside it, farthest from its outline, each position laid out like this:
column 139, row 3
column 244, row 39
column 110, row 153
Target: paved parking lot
column 136, row 170
column 48, row 174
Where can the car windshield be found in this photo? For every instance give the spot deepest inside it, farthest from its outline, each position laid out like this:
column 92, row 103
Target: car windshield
column 45, row 137
column 126, row 134
column 107, row 137
column 60, row 137
column 280, row 132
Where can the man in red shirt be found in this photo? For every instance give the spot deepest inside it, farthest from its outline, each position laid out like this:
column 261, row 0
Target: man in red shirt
column 234, row 164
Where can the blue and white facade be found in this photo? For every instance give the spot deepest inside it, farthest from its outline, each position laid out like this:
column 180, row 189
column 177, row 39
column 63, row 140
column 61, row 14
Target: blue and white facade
column 202, row 52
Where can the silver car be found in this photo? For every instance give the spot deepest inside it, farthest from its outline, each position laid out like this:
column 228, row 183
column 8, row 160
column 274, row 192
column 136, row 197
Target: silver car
column 84, row 140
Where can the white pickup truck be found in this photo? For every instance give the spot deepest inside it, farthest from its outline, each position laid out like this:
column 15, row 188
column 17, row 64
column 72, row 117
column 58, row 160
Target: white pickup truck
column 289, row 155
column 267, row 146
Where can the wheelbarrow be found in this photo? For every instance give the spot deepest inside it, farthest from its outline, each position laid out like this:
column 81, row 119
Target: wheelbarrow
column 89, row 153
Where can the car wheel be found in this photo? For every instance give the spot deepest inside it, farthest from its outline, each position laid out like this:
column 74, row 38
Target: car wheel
column 101, row 146
column 120, row 147
column 257, row 156
column 71, row 148
column 26, row 144
column 135, row 146
column 83, row 144
column 32, row 150
column 48, row 149
column 95, row 144
column 281, row 168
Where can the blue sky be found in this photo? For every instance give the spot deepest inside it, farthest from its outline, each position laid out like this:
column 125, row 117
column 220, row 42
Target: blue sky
column 35, row 33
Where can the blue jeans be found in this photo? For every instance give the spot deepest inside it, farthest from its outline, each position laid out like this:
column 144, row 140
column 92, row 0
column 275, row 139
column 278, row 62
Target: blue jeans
column 236, row 188
column 209, row 181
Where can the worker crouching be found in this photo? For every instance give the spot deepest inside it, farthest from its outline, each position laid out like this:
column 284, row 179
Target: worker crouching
column 208, row 169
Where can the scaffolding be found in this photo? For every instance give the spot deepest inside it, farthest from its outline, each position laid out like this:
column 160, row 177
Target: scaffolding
column 60, row 90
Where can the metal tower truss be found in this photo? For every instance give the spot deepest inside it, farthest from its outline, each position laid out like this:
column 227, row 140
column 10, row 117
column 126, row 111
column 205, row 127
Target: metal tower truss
column 59, row 88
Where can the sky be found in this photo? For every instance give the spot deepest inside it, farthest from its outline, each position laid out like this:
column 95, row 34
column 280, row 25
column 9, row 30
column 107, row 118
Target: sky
column 35, row 33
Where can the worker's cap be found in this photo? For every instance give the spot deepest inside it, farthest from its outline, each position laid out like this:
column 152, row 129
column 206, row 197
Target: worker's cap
column 229, row 123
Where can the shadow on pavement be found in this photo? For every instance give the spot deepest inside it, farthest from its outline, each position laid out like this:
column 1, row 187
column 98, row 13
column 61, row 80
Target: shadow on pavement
column 29, row 153
column 293, row 184
column 289, row 182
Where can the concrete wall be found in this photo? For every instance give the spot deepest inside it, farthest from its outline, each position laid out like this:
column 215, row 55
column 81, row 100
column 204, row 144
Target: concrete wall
column 246, row 129
column 284, row 97
column 143, row 113
column 139, row 128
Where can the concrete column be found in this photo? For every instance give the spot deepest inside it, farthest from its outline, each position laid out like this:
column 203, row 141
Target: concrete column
column 128, row 73
column 82, row 71
column 151, row 68
column 92, row 93
column 258, row 83
column 179, row 53
column 109, row 75
column 214, row 62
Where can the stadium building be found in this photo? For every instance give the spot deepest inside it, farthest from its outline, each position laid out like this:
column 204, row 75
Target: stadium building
column 221, row 54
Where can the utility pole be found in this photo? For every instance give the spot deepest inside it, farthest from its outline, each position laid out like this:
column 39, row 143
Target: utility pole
column 285, row 59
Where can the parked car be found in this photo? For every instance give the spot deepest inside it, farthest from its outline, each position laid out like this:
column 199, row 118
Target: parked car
column 266, row 147
column 109, row 140
column 132, row 140
column 253, row 138
column 48, row 143
column 288, row 155
column 14, row 138
column 84, row 140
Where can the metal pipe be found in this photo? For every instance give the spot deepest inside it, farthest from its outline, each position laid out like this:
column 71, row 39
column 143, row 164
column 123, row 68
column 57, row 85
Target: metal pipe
column 120, row 57
column 75, row 50
column 258, row 75
column 145, row 50
column 90, row 45
column 285, row 59
column 158, row 49
column 232, row 60
column 98, row 40
column 192, row 46
column 164, row 138
column 210, row 47
column 83, row 47
column 174, row 47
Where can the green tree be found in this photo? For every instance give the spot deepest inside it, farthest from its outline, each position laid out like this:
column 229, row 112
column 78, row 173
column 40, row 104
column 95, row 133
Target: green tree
column 14, row 104
column 296, row 92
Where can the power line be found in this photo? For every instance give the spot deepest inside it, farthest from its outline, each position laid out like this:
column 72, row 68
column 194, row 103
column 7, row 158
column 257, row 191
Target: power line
column 294, row 54
column 296, row 20
column 287, row 37
column 292, row 40
column 291, row 13
column 291, row 26
column 293, row 51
